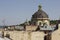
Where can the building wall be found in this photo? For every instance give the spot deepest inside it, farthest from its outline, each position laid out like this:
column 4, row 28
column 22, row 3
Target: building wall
column 59, row 25
column 31, row 28
column 56, row 34
column 44, row 21
column 25, row 35
column 47, row 22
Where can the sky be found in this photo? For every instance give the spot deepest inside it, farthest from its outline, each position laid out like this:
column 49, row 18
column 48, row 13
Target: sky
column 14, row 12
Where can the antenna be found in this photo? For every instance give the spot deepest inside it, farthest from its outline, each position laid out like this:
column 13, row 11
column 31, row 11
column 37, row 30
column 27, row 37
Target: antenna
column 3, row 21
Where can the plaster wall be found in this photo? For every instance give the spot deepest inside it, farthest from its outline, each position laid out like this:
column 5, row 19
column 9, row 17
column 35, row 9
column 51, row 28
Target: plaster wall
column 25, row 35
column 56, row 34
column 44, row 21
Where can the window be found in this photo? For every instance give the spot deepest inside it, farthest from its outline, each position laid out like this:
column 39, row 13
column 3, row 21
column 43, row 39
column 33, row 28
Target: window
column 40, row 23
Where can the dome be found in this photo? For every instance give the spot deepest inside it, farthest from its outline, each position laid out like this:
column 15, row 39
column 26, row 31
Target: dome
column 40, row 14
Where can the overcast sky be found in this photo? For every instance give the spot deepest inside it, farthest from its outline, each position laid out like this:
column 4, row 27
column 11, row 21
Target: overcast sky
column 17, row 11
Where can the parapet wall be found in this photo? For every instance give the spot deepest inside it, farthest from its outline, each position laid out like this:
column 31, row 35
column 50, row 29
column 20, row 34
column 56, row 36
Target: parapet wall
column 25, row 35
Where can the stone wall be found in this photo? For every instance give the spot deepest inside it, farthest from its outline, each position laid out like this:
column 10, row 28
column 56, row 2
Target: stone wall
column 56, row 34
column 25, row 35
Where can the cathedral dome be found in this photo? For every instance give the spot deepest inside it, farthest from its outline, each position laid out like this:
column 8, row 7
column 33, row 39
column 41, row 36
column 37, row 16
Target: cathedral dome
column 40, row 13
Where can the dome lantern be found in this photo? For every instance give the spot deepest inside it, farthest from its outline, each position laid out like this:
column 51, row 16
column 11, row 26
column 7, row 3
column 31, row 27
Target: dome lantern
column 39, row 7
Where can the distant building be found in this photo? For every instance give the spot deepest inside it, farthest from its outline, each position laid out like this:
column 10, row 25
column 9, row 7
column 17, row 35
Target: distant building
column 40, row 17
column 40, row 22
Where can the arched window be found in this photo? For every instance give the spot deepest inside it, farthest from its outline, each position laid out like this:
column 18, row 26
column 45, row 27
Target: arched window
column 45, row 25
column 40, row 23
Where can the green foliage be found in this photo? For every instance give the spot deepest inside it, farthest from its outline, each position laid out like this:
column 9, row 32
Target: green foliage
column 53, row 22
column 22, row 24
